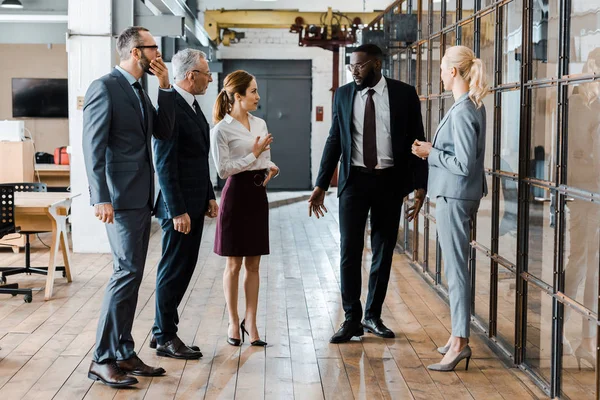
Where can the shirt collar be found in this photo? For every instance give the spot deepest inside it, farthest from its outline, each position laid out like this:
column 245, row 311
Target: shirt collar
column 379, row 87
column 228, row 118
column 187, row 96
column 130, row 78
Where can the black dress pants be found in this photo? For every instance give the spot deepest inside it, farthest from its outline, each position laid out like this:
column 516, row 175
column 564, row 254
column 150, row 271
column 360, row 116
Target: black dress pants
column 380, row 194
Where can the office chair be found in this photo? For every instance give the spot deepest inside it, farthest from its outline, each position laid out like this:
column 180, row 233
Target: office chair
column 7, row 271
column 7, row 226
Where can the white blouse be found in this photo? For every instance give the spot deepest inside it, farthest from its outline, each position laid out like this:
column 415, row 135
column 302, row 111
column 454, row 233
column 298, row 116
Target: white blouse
column 232, row 146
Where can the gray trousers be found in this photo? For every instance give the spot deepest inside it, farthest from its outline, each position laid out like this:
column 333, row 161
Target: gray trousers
column 453, row 217
column 128, row 238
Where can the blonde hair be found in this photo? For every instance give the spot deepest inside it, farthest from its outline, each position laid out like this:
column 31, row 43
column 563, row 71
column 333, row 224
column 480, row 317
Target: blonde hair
column 471, row 69
column 236, row 82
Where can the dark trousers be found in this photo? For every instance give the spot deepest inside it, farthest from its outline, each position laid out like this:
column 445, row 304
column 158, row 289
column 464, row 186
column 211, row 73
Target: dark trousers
column 380, row 195
column 128, row 236
column 173, row 275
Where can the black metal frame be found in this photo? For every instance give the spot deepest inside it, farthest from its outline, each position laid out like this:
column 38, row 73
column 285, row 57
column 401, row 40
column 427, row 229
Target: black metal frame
column 557, row 187
column 7, row 226
column 27, row 269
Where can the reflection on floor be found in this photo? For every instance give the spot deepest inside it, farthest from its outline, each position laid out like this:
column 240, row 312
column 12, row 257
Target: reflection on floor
column 46, row 345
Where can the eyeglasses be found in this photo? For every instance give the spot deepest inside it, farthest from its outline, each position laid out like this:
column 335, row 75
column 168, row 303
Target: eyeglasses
column 155, row 47
column 361, row 67
column 202, row 72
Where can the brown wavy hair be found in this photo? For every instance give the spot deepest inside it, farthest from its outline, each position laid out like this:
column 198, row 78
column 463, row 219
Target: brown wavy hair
column 236, row 82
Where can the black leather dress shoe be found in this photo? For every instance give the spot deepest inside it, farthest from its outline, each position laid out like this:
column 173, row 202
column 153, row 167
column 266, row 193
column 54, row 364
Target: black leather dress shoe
column 110, row 374
column 347, row 331
column 177, row 349
column 377, row 328
column 153, row 344
column 135, row 366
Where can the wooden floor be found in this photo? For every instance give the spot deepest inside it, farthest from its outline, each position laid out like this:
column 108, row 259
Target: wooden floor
column 47, row 346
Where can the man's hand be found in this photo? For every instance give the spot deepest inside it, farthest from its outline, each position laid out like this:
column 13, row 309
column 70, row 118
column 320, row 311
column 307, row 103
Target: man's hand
column 421, row 149
column 182, row 223
column 273, row 171
column 159, row 69
column 213, row 209
column 105, row 213
column 413, row 210
column 315, row 203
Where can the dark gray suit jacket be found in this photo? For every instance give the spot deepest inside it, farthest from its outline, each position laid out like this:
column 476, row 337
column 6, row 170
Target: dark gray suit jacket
column 456, row 160
column 116, row 147
column 182, row 166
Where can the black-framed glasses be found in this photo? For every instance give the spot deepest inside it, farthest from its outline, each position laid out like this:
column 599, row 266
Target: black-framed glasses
column 361, row 67
column 155, row 47
column 202, row 72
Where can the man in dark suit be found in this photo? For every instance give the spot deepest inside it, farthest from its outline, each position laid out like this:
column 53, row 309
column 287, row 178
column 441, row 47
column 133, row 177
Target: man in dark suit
column 118, row 123
column 375, row 122
column 186, row 196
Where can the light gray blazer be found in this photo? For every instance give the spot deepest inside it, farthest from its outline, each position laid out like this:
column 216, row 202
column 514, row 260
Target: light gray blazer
column 456, row 159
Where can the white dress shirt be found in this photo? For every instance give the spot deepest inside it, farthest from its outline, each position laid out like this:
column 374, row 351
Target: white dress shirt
column 232, row 146
column 385, row 157
column 187, row 96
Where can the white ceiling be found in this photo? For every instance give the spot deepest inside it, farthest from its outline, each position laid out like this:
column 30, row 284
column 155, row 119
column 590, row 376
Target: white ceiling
column 302, row 5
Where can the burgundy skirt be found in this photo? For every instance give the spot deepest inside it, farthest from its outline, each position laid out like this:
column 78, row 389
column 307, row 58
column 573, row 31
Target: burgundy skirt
column 243, row 222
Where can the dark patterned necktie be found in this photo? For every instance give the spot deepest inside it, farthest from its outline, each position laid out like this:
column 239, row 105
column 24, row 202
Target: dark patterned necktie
column 369, row 133
column 196, row 107
column 143, row 100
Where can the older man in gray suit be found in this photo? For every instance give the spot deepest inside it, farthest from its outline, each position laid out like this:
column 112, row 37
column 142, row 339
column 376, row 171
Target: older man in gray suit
column 118, row 123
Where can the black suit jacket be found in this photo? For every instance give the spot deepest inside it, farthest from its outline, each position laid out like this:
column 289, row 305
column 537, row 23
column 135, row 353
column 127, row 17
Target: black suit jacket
column 182, row 165
column 406, row 125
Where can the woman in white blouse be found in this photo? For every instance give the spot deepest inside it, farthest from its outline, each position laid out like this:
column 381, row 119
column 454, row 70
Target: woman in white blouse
column 240, row 146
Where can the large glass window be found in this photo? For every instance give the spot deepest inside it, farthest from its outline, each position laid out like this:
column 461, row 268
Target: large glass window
column 545, row 38
column 585, row 37
column 512, row 51
column 543, row 134
column 486, row 45
column 583, row 164
column 538, row 347
column 542, row 221
column 509, row 131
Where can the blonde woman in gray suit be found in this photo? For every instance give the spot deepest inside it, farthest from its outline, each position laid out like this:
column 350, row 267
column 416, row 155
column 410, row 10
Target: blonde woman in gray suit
column 457, row 183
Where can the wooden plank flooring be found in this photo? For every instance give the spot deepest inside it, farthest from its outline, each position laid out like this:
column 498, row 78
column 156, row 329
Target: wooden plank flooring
column 46, row 346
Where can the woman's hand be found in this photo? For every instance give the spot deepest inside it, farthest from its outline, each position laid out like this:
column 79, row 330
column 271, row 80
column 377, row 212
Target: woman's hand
column 273, row 171
column 263, row 145
column 421, row 149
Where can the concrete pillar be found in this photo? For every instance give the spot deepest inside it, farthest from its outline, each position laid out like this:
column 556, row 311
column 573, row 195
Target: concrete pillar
column 91, row 54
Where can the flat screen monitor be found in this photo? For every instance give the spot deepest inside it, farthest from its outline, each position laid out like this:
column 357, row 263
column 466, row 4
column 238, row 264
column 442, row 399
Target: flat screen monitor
column 40, row 98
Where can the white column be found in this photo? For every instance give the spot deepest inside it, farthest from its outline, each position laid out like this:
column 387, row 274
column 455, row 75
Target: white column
column 91, row 54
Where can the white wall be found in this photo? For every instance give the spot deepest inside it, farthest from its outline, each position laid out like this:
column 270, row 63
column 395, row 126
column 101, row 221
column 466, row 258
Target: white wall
column 279, row 44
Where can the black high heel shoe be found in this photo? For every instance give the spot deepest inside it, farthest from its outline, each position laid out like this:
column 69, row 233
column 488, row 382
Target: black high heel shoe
column 257, row 342
column 234, row 341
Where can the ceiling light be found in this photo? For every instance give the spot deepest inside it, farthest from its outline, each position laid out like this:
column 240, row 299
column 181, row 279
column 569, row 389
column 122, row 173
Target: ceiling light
column 11, row 4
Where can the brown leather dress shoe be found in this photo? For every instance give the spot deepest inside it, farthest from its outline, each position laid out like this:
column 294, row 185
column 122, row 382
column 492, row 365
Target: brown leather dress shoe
column 110, row 374
column 177, row 349
column 135, row 366
column 153, row 344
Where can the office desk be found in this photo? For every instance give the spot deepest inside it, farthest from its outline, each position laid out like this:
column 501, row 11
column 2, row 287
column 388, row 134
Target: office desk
column 54, row 175
column 47, row 212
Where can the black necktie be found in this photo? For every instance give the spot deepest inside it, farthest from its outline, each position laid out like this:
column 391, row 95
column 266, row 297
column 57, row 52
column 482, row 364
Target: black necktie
column 196, row 107
column 369, row 133
column 143, row 100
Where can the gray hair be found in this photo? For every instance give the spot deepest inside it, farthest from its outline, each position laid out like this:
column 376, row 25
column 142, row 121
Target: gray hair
column 128, row 40
column 186, row 60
